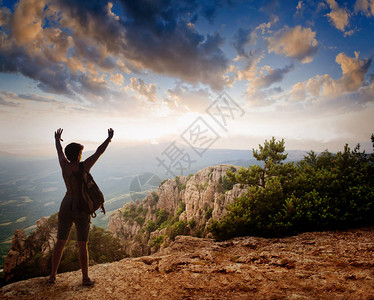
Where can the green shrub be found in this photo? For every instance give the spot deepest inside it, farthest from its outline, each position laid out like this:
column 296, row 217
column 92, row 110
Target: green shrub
column 177, row 228
column 162, row 182
column 156, row 241
column 162, row 216
column 151, row 226
column 328, row 191
column 139, row 210
column 208, row 213
column 140, row 220
column 129, row 211
column 155, row 196
column 227, row 183
column 180, row 186
column 181, row 208
column 192, row 223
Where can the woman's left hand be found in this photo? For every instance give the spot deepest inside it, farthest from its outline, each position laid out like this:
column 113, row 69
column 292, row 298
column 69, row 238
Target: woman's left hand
column 110, row 133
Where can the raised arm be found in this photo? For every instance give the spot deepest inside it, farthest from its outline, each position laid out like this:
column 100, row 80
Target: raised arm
column 61, row 156
column 89, row 162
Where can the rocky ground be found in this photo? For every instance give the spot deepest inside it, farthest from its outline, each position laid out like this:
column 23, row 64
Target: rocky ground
column 320, row 265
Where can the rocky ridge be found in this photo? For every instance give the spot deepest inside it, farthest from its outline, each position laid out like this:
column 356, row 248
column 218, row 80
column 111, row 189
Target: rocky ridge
column 41, row 240
column 182, row 205
column 316, row 265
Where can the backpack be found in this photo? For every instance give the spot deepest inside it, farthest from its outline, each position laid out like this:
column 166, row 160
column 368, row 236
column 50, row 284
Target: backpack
column 91, row 197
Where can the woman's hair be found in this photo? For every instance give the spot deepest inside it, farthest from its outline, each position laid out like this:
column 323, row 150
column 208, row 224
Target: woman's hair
column 72, row 151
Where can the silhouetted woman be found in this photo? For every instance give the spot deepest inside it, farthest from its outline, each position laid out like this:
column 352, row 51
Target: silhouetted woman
column 68, row 213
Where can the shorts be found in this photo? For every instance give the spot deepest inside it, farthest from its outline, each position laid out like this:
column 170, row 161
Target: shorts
column 66, row 218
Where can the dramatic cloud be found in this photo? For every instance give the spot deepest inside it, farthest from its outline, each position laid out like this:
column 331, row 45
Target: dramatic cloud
column 298, row 42
column 338, row 16
column 63, row 44
column 157, row 36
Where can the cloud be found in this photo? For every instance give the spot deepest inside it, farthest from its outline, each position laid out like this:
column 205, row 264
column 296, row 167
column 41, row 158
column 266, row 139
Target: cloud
column 13, row 99
column 242, row 38
column 63, row 44
column 183, row 98
column 338, row 16
column 94, row 87
column 27, row 21
column 36, row 98
column 353, row 76
column 263, row 98
column 7, row 99
column 34, row 52
column 299, row 6
column 156, row 36
column 354, row 70
column 246, row 36
column 148, row 91
column 313, row 85
column 298, row 43
column 5, row 14
column 365, row 6
column 321, row 94
column 261, row 78
column 249, row 72
column 268, row 76
column 298, row 92
column 117, row 79
column 263, row 27
column 350, row 89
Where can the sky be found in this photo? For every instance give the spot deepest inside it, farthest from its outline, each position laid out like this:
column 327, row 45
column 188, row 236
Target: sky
column 236, row 72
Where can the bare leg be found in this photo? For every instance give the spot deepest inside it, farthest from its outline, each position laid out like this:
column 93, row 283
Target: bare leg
column 56, row 258
column 83, row 259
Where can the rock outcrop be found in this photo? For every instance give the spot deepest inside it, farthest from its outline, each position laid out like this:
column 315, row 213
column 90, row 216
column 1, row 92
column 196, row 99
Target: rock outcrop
column 182, row 205
column 316, row 265
column 40, row 242
column 16, row 254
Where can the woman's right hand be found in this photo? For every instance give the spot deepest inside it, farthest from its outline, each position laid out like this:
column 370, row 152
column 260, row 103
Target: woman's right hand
column 58, row 134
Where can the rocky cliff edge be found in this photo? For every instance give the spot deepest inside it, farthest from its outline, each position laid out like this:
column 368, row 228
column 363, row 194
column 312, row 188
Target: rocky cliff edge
column 321, row 265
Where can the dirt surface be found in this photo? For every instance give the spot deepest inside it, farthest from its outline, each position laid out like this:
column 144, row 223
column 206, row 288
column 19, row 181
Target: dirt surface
column 319, row 265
